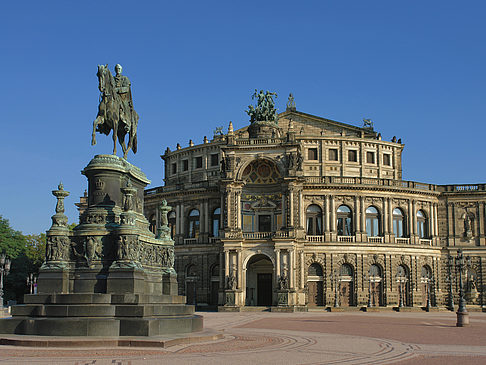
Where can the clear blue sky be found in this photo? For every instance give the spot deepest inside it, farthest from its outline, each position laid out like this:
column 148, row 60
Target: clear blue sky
column 416, row 68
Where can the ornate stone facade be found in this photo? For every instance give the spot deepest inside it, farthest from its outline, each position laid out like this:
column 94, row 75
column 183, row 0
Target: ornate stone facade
column 315, row 214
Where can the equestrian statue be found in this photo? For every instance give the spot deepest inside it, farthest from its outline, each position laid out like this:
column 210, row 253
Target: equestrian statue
column 115, row 111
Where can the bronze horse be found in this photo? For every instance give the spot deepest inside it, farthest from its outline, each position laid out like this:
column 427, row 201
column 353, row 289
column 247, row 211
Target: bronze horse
column 112, row 114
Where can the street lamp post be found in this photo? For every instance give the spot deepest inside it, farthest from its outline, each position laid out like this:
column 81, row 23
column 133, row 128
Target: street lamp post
column 368, row 277
column 400, row 281
column 4, row 270
column 335, row 278
column 450, row 264
column 462, row 314
column 427, row 287
column 31, row 282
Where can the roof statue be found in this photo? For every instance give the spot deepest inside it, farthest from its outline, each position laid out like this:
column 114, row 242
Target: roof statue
column 291, row 103
column 367, row 123
column 115, row 111
column 265, row 109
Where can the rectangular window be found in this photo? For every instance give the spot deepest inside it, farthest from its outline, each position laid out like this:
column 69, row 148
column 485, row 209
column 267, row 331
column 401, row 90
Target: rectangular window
column 370, row 157
column 386, row 159
column 353, row 156
column 264, row 223
column 185, row 165
column 198, row 162
column 333, row 154
column 214, row 159
column 312, row 154
column 174, row 168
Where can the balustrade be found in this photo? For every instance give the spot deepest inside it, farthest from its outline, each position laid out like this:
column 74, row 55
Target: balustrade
column 375, row 239
column 315, row 238
column 346, row 239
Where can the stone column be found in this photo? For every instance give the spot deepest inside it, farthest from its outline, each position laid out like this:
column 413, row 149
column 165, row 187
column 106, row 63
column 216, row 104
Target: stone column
column 222, row 206
column 183, row 221
column 277, row 263
column 239, row 268
column 414, row 217
column 431, row 225
column 178, row 219
column 327, row 212
column 481, row 218
column 291, row 267
column 357, row 215
column 238, row 209
column 207, row 216
column 333, row 215
column 301, row 209
column 284, row 212
column 384, row 217
column 226, row 263
column 302, row 272
column 291, row 206
column 363, row 214
column 410, row 221
column 436, row 222
column 450, row 223
column 221, row 270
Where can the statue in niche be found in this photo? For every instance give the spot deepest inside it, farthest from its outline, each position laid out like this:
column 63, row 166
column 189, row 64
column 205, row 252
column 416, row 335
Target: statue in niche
column 283, row 282
column 122, row 248
column 231, row 282
column 467, row 225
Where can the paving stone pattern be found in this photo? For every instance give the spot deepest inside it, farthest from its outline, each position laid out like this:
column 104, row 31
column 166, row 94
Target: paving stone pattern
column 297, row 338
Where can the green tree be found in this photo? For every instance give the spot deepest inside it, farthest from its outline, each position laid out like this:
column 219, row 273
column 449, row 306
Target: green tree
column 13, row 244
column 35, row 246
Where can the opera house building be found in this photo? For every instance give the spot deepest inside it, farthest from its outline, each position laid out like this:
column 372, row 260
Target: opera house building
column 306, row 212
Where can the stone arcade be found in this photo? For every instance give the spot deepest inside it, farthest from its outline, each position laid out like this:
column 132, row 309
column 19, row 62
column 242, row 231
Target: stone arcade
column 297, row 210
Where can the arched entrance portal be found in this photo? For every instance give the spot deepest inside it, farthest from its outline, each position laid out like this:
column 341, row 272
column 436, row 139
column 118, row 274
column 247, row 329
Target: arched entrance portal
column 259, row 281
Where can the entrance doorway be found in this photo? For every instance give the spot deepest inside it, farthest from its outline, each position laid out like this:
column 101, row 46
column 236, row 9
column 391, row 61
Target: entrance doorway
column 346, row 287
column 316, row 290
column 264, row 289
column 376, row 291
column 259, row 281
column 315, row 285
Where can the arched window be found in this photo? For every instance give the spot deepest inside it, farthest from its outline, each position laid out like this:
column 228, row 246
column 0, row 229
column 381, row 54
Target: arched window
column 398, row 223
column 375, row 271
column 344, row 221
column 402, row 271
column 216, row 220
column 346, row 270
column 153, row 224
column 315, row 270
column 372, row 222
column 172, row 223
column 314, row 220
column 193, row 224
column 422, row 224
column 426, row 273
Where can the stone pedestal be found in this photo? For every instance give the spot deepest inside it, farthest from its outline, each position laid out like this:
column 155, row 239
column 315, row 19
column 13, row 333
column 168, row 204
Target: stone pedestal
column 110, row 276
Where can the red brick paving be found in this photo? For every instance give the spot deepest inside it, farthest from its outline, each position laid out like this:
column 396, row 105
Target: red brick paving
column 434, row 330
